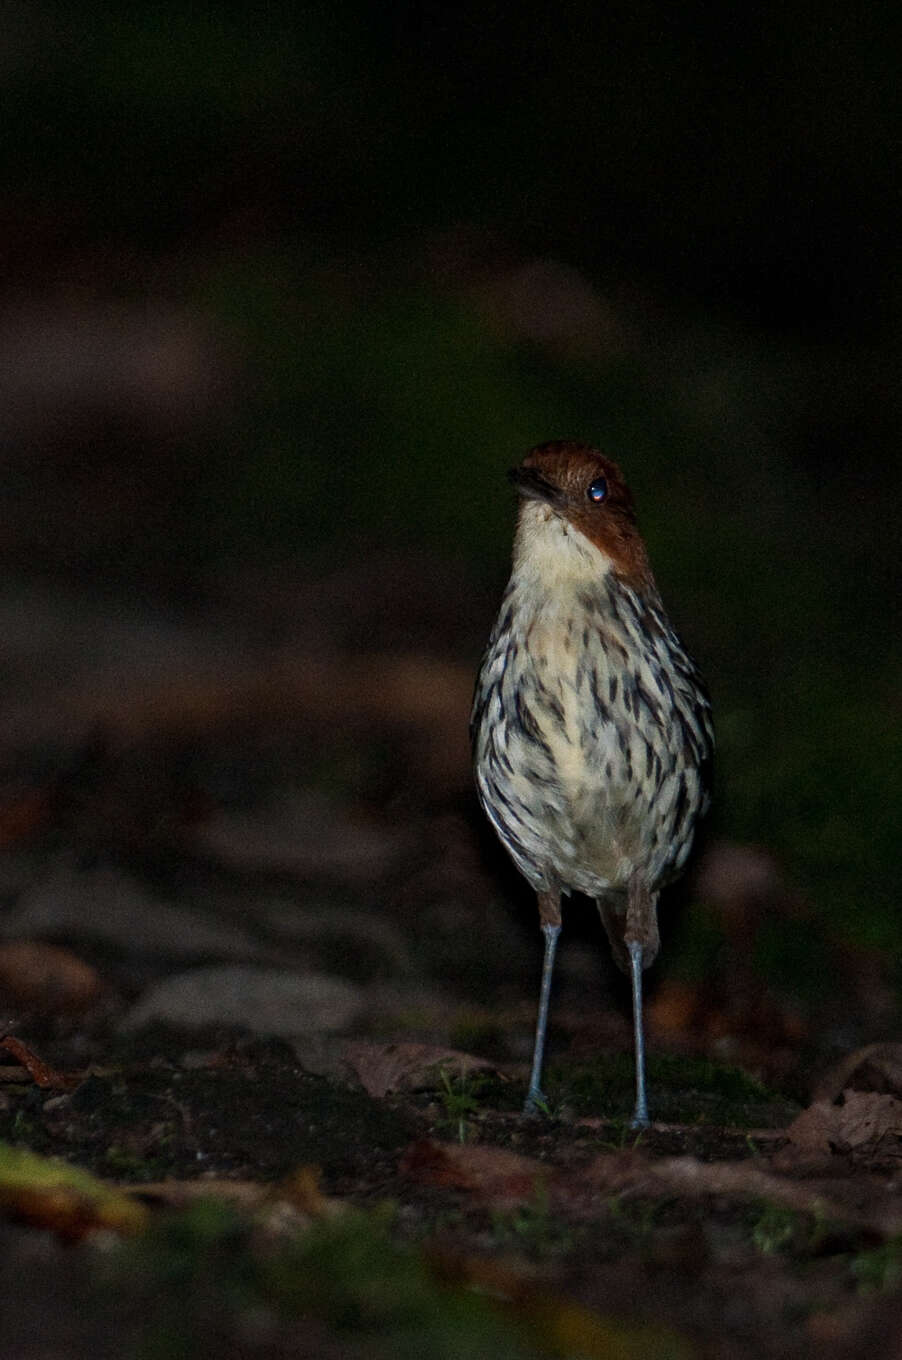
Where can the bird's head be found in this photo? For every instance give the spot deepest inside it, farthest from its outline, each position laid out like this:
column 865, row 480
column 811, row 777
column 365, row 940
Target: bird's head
column 574, row 484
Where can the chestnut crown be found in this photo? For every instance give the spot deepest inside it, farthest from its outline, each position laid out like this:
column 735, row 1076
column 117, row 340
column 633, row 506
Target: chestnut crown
column 582, row 486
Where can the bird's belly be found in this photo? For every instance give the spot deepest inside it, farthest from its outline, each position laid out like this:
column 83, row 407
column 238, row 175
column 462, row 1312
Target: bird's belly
column 601, row 832
column 583, row 794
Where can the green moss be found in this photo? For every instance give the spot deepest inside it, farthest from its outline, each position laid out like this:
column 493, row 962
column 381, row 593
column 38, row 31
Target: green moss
column 775, row 1228
column 125, row 1165
column 880, row 1269
column 681, row 1090
column 535, row 1229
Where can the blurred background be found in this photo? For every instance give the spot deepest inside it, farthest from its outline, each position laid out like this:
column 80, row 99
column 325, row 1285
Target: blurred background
column 283, row 293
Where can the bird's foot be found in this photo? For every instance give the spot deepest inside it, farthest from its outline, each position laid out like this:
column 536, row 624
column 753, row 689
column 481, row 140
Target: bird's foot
column 535, row 1104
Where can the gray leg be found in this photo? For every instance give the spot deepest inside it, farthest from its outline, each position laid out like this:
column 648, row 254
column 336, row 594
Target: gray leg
column 640, row 1114
column 534, row 1097
column 642, row 942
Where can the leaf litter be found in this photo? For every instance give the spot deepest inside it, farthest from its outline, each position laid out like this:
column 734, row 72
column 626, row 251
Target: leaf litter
column 398, row 1205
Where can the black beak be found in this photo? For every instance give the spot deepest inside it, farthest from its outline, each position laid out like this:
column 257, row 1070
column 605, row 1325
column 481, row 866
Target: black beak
column 532, row 486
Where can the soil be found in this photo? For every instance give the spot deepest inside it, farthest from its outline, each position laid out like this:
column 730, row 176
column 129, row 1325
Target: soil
column 332, row 1159
column 586, row 1212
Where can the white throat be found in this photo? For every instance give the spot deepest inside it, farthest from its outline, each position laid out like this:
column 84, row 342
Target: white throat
column 551, row 556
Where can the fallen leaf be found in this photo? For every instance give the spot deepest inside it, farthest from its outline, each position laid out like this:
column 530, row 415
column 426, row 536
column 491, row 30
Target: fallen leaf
column 814, row 1130
column 41, row 1073
column 863, row 1119
column 381, row 1068
column 301, row 1189
column 63, row 1198
column 292, row 1204
column 496, row 1176
column 866, row 1117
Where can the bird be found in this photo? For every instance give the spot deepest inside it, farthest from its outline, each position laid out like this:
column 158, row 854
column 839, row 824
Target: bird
column 591, row 724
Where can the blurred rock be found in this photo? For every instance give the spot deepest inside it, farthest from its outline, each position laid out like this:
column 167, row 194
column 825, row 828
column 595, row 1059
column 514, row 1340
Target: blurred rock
column 104, row 904
column 103, row 359
column 73, row 666
column 303, row 834
column 103, row 411
column 266, row 1001
column 376, row 942
column 743, row 882
column 43, row 977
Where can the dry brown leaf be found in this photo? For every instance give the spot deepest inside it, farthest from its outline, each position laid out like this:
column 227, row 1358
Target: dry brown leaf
column 47, row 978
column 296, row 1199
column 863, row 1119
column 498, row 1177
column 381, row 1068
column 41, row 1073
column 867, row 1117
column 303, row 1192
column 814, row 1130
column 63, row 1198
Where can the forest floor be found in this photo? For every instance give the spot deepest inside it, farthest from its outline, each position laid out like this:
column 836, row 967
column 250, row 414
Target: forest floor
column 268, row 991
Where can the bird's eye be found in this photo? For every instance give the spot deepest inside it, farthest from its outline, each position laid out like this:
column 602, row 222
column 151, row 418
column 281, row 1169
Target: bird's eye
column 598, row 490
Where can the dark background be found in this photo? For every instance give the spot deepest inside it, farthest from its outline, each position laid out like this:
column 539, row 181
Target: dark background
column 284, row 291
